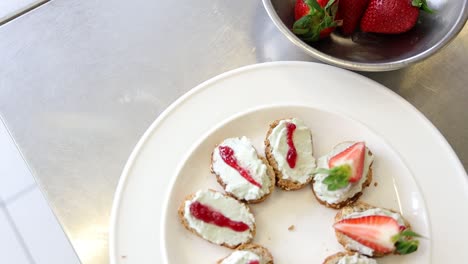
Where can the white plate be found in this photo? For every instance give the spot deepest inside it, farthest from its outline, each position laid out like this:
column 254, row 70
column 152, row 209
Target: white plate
column 414, row 163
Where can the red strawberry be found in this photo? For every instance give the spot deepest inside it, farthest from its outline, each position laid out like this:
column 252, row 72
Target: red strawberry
column 392, row 16
column 345, row 167
column 380, row 233
column 350, row 11
column 354, row 157
column 301, row 9
column 315, row 19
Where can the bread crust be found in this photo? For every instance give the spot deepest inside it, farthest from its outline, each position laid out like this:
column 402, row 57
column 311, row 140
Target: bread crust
column 255, row 248
column 184, row 222
column 333, row 259
column 270, row 173
column 359, row 207
column 285, row 184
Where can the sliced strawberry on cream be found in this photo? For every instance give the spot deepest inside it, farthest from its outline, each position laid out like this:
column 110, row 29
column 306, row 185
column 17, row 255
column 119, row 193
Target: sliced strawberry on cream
column 350, row 159
column 378, row 232
column 373, row 231
column 241, row 171
column 342, row 172
column 219, row 218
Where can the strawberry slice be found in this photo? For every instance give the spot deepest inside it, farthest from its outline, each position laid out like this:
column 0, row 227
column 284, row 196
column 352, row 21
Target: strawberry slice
column 380, row 233
column 373, row 231
column 352, row 156
column 345, row 167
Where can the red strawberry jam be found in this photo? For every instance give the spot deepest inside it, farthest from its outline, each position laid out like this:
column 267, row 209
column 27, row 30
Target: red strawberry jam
column 254, row 262
column 227, row 154
column 209, row 215
column 291, row 156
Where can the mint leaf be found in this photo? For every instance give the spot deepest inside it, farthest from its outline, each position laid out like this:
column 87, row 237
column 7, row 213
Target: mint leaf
column 404, row 242
column 409, row 233
column 338, row 177
column 406, row 247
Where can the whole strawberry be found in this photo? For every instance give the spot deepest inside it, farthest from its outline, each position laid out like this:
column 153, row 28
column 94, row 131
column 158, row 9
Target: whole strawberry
column 315, row 19
column 392, row 16
column 350, row 11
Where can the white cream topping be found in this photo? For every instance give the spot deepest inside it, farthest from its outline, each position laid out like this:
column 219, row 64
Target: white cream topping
column 230, row 208
column 354, row 245
column 340, row 195
column 247, row 158
column 356, row 259
column 305, row 163
column 242, row 257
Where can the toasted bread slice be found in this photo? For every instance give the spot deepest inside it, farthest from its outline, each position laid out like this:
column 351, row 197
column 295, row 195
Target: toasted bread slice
column 233, row 182
column 287, row 183
column 347, row 242
column 262, row 252
column 335, row 258
column 222, row 236
column 352, row 196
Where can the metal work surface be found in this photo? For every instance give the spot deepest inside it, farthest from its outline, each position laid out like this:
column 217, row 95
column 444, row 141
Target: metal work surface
column 82, row 80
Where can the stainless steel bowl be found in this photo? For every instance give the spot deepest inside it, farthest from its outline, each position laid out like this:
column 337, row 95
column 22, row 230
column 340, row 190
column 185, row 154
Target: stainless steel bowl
column 374, row 52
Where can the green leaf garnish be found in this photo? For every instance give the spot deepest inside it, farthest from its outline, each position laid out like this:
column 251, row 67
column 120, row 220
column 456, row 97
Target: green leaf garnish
column 404, row 242
column 338, row 177
column 406, row 247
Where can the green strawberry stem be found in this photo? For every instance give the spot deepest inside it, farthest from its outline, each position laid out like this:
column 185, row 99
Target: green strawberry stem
column 308, row 27
column 404, row 242
column 338, row 177
column 422, row 4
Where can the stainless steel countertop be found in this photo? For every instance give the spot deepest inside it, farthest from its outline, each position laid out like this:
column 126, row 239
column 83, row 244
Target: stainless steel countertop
column 81, row 81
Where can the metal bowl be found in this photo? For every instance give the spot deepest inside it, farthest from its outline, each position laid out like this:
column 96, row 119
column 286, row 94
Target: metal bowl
column 376, row 52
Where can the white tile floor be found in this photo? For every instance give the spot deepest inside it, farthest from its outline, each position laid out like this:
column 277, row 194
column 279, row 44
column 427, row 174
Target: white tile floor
column 29, row 231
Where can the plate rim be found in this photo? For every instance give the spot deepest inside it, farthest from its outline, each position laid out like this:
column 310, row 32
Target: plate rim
column 118, row 194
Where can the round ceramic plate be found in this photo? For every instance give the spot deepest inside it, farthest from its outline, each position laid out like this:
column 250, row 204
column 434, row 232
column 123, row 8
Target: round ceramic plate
column 416, row 171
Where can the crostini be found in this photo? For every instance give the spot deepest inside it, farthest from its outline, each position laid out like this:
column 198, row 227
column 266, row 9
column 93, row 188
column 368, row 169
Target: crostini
column 217, row 218
column 289, row 150
column 343, row 174
column 374, row 231
column 241, row 172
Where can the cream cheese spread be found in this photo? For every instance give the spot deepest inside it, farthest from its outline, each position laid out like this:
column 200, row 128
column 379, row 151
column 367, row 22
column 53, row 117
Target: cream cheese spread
column 302, row 138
